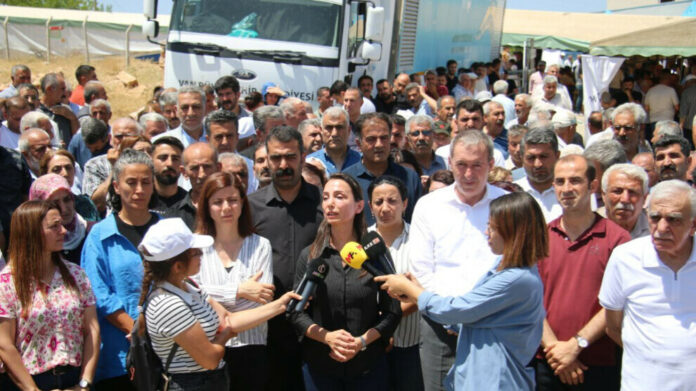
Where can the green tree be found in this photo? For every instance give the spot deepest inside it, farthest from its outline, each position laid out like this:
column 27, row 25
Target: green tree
column 90, row 5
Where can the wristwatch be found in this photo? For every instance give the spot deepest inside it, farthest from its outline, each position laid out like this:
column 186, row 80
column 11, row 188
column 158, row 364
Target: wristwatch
column 582, row 342
column 364, row 344
column 84, row 384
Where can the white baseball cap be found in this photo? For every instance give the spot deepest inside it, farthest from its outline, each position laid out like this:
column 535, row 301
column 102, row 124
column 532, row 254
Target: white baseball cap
column 170, row 237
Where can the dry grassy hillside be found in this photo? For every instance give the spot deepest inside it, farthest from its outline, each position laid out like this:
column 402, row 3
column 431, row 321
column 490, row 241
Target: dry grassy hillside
column 123, row 100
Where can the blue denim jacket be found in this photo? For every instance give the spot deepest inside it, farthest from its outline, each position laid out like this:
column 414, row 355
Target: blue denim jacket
column 115, row 270
column 500, row 324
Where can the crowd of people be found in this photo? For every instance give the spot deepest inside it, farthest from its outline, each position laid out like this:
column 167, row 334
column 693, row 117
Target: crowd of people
column 527, row 255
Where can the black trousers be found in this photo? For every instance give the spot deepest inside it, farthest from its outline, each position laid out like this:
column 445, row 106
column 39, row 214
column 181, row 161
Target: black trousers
column 595, row 378
column 247, row 367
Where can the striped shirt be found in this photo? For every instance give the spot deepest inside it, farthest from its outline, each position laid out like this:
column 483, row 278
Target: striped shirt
column 407, row 333
column 167, row 316
column 221, row 285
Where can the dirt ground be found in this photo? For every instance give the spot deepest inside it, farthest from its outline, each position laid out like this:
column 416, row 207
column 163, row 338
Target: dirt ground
column 124, row 101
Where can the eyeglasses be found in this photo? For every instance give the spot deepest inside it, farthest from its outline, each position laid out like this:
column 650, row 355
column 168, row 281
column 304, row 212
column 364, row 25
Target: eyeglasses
column 624, row 127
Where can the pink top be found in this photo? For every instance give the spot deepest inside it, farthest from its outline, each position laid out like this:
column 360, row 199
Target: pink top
column 52, row 334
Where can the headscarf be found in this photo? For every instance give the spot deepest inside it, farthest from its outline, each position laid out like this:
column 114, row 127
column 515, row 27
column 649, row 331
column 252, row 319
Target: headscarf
column 43, row 188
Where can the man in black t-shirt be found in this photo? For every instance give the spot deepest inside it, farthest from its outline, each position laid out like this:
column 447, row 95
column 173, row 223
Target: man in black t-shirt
column 171, row 200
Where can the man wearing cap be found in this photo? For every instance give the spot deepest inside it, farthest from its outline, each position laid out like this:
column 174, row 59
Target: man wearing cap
column 564, row 125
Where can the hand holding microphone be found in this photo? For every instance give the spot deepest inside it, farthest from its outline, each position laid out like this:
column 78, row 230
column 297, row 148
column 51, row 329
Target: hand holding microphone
column 317, row 269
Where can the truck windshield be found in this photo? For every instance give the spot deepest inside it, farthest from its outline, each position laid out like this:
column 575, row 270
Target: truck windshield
column 304, row 21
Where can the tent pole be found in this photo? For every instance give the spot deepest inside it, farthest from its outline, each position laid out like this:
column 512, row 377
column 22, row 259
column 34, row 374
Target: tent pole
column 48, row 39
column 84, row 37
column 7, row 37
column 128, row 30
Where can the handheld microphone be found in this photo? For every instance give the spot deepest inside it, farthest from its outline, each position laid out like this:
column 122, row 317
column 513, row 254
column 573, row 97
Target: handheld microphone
column 374, row 247
column 317, row 269
column 354, row 255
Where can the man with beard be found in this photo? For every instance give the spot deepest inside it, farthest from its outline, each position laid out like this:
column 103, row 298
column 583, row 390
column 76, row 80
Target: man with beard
column 228, row 91
column 261, row 170
column 373, row 131
column 419, row 130
column 200, row 162
column 310, row 129
column 221, row 127
column 172, row 200
column 191, row 111
column 335, row 131
column 385, row 102
column 576, row 350
column 624, row 188
column 324, row 99
column 523, row 105
column 539, row 155
column 288, row 213
column 33, row 144
column 672, row 157
column 627, row 122
column 494, row 119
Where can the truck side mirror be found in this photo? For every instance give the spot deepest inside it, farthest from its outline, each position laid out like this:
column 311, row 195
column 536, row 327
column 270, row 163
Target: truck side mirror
column 150, row 9
column 151, row 28
column 371, row 51
column 374, row 24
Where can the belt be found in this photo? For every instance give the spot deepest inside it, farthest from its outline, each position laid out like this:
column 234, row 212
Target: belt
column 61, row 370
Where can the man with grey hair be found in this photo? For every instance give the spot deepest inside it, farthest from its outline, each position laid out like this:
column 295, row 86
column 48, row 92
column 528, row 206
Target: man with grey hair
column 93, row 90
column 465, row 86
column 235, row 164
column 54, row 92
column 419, row 130
column 665, row 127
column 19, row 74
column 564, row 123
column 167, row 101
column 294, row 111
column 448, row 259
column 98, row 109
column 607, row 133
column 624, row 188
column 494, row 125
column 627, row 123
column 33, row 144
column 550, row 94
column 417, row 102
column 95, row 183
column 264, row 119
column 500, row 90
column 191, row 112
column 539, row 155
column 310, row 129
column 523, row 105
column 514, row 160
column 335, row 131
column 14, row 109
column 646, row 161
column 647, row 294
column 604, row 154
column 153, row 124
column 94, row 134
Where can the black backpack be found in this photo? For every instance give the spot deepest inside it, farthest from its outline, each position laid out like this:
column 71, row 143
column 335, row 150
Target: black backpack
column 144, row 368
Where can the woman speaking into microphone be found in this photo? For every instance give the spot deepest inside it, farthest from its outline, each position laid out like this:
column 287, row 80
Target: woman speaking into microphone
column 349, row 321
column 500, row 320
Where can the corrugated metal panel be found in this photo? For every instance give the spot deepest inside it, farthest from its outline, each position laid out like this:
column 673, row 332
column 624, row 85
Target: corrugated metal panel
column 407, row 45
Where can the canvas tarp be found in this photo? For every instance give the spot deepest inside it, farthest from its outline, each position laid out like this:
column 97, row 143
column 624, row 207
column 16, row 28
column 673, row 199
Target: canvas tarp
column 106, row 32
column 673, row 39
column 573, row 31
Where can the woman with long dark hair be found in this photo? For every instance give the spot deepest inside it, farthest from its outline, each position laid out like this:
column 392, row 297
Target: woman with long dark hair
column 236, row 271
column 348, row 324
column 500, row 320
column 113, row 264
column 49, row 334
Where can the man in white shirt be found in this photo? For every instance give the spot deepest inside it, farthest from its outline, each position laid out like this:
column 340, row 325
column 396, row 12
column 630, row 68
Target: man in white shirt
column 647, row 292
column 450, row 258
column 191, row 112
column 15, row 108
column 464, row 89
column 550, row 94
column 661, row 102
column 523, row 105
column 500, row 89
column 539, row 156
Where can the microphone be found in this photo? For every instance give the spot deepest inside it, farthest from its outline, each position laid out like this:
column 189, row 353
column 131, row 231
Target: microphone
column 354, row 255
column 317, row 269
column 374, row 247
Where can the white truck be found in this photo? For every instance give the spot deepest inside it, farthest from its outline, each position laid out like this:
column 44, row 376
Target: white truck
column 301, row 45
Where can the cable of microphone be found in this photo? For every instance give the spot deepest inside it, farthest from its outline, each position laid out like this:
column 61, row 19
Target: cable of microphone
column 376, row 249
column 317, row 269
column 354, row 255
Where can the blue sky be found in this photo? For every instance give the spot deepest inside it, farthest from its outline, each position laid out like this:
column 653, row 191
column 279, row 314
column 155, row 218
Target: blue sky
column 165, row 6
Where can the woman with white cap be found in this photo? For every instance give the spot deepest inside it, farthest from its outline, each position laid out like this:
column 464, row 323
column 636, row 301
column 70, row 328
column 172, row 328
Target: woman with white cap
column 178, row 312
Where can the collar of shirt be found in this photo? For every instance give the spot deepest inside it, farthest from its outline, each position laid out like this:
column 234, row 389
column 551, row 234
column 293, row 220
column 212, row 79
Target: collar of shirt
column 598, row 228
column 306, row 191
column 642, row 227
column 182, row 135
column 492, row 192
column 526, row 186
column 352, row 157
column 109, row 227
column 399, row 239
column 362, row 171
column 186, row 295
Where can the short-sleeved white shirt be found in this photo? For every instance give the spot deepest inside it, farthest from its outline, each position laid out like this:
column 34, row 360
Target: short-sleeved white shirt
column 661, row 100
column 659, row 323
